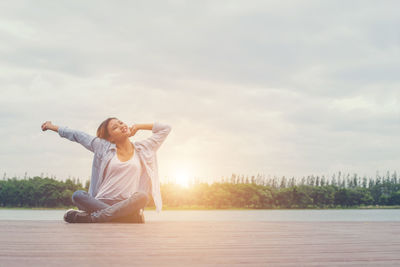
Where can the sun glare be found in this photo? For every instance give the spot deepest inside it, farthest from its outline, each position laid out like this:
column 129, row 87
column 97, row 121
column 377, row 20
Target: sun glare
column 182, row 178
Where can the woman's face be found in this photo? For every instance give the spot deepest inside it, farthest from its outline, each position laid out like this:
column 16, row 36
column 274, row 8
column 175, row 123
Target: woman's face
column 118, row 130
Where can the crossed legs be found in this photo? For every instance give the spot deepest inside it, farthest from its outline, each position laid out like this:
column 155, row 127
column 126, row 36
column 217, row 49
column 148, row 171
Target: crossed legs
column 121, row 211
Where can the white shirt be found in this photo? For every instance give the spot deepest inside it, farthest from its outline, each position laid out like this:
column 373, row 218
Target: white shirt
column 121, row 179
column 104, row 151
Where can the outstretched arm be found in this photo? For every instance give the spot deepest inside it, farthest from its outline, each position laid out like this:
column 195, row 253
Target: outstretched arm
column 49, row 126
column 92, row 143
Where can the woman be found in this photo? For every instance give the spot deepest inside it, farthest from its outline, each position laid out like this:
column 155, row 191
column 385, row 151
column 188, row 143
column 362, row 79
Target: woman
column 124, row 174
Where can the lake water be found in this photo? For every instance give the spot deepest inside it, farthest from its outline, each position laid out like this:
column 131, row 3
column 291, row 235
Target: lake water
column 356, row 215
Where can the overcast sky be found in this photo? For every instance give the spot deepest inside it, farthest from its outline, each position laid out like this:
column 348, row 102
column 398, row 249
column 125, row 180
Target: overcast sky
column 272, row 87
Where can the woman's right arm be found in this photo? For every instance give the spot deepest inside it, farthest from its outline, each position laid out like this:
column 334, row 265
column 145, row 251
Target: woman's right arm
column 49, row 126
column 92, row 143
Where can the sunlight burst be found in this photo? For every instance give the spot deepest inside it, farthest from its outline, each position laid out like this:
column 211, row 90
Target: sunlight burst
column 182, row 178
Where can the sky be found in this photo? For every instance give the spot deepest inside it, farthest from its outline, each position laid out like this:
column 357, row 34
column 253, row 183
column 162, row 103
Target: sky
column 280, row 88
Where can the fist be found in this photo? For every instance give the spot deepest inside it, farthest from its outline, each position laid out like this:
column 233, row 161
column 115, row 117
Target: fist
column 46, row 126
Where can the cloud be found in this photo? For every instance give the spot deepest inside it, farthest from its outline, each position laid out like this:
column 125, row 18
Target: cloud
column 282, row 88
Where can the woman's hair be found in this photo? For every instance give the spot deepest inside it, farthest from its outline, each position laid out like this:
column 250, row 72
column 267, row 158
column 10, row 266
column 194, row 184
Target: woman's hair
column 102, row 131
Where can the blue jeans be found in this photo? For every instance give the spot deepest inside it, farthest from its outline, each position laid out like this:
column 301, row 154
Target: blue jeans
column 113, row 210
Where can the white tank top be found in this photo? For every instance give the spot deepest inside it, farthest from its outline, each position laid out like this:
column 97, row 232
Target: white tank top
column 121, row 179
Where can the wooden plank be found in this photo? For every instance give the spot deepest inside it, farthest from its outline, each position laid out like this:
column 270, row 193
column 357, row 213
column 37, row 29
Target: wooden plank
column 56, row 243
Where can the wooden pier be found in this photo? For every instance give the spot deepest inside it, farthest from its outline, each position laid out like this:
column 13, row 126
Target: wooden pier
column 56, row 243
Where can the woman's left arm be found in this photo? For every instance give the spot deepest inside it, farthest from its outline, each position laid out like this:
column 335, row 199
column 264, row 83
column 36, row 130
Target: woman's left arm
column 160, row 133
column 147, row 126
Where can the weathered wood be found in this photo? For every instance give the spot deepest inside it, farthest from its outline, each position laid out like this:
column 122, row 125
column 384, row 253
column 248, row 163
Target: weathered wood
column 56, row 243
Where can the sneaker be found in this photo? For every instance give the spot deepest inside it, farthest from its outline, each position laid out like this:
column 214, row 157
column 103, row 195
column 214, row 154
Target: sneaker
column 137, row 217
column 83, row 217
column 69, row 215
column 77, row 216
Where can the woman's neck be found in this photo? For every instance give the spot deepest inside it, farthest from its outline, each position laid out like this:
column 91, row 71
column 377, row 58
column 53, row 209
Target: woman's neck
column 125, row 146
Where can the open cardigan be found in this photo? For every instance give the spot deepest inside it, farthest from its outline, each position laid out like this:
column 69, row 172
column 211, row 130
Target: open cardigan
column 104, row 151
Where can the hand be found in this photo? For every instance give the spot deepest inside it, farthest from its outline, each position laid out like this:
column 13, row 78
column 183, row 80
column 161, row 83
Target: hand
column 133, row 130
column 47, row 126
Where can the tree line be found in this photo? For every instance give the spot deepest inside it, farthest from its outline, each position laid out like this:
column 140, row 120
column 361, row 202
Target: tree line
column 258, row 192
